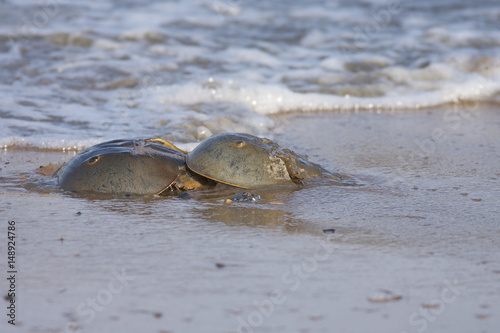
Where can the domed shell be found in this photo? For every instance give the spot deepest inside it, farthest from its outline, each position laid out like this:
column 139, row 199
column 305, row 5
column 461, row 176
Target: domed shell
column 122, row 166
column 240, row 160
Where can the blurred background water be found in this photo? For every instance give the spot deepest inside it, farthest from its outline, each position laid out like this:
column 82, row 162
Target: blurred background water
column 74, row 72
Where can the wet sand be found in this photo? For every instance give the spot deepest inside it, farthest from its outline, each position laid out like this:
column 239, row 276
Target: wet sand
column 416, row 248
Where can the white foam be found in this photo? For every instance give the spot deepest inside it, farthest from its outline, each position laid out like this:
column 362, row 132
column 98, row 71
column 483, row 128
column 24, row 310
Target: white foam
column 269, row 99
column 239, row 55
column 333, row 63
column 314, row 38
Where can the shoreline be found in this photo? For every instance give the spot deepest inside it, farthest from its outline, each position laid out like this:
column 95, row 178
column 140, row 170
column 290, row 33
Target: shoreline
column 420, row 227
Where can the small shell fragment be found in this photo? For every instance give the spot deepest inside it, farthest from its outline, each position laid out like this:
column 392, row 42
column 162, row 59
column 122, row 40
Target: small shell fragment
column 384, row 296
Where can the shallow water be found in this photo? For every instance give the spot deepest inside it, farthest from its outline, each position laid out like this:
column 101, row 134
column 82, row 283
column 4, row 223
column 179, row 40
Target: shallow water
column 186, row 69
column 409, row 110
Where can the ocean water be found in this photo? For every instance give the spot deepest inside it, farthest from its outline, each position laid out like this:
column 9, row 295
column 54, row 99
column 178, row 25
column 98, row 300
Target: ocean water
column 74, row 73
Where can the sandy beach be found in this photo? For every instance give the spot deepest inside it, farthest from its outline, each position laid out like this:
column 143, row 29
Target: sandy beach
column 415, row 248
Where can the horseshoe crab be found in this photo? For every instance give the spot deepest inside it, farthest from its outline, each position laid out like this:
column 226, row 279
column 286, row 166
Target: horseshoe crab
column 150, row 166
column 155, row 166
column 246, row 161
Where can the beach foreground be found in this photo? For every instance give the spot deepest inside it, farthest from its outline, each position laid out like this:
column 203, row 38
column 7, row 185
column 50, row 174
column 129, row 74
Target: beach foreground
column 414, row 248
